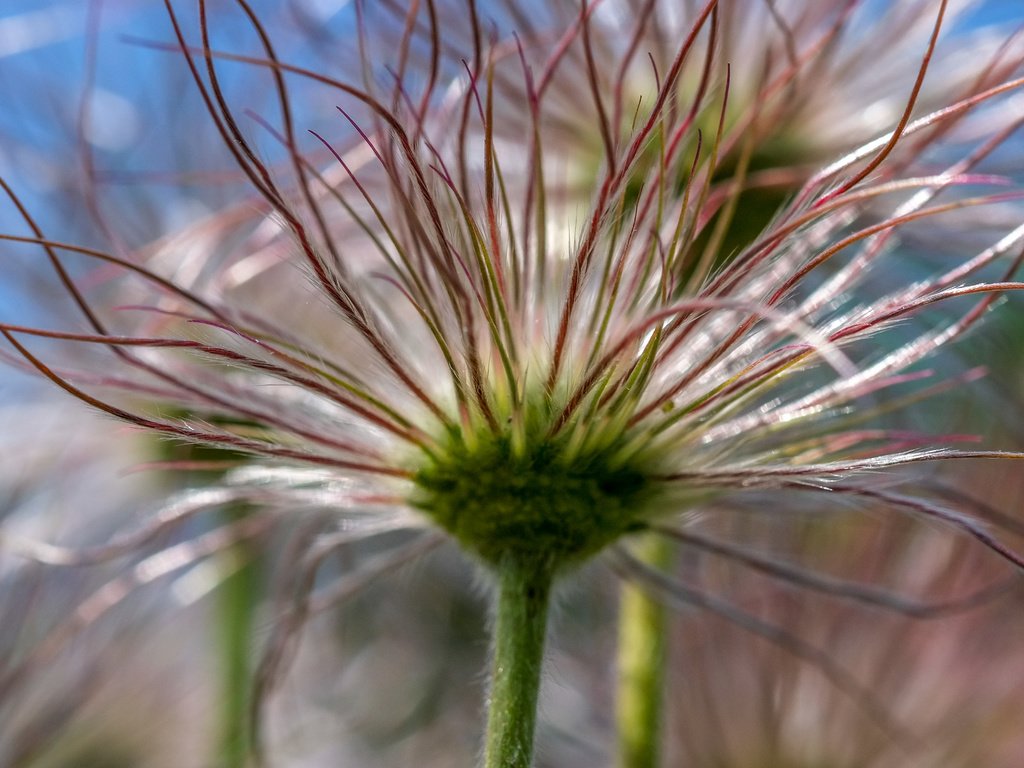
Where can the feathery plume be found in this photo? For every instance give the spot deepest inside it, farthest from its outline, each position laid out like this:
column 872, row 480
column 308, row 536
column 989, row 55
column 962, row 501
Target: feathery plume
column 437, row 318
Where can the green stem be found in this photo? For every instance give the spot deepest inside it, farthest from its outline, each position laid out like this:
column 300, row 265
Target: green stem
column 239, row 594
column 641, row 665
column 524, row 591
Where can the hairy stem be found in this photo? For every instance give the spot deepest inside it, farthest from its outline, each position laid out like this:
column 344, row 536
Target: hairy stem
column 641, row 665
column 524, row 591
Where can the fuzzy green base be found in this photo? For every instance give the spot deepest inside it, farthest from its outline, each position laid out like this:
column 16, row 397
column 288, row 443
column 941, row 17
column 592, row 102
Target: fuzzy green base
column 539, row 501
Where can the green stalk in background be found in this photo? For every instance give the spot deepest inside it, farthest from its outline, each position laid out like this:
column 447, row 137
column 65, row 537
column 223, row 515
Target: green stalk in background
column 238, row 596
column 641, row 662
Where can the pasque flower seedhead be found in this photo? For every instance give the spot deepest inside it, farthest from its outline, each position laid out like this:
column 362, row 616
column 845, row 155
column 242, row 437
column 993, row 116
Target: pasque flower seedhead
column 434, row 318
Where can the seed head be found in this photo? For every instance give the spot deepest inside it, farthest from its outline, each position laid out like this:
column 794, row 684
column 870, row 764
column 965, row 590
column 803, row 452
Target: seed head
column 445, row 311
